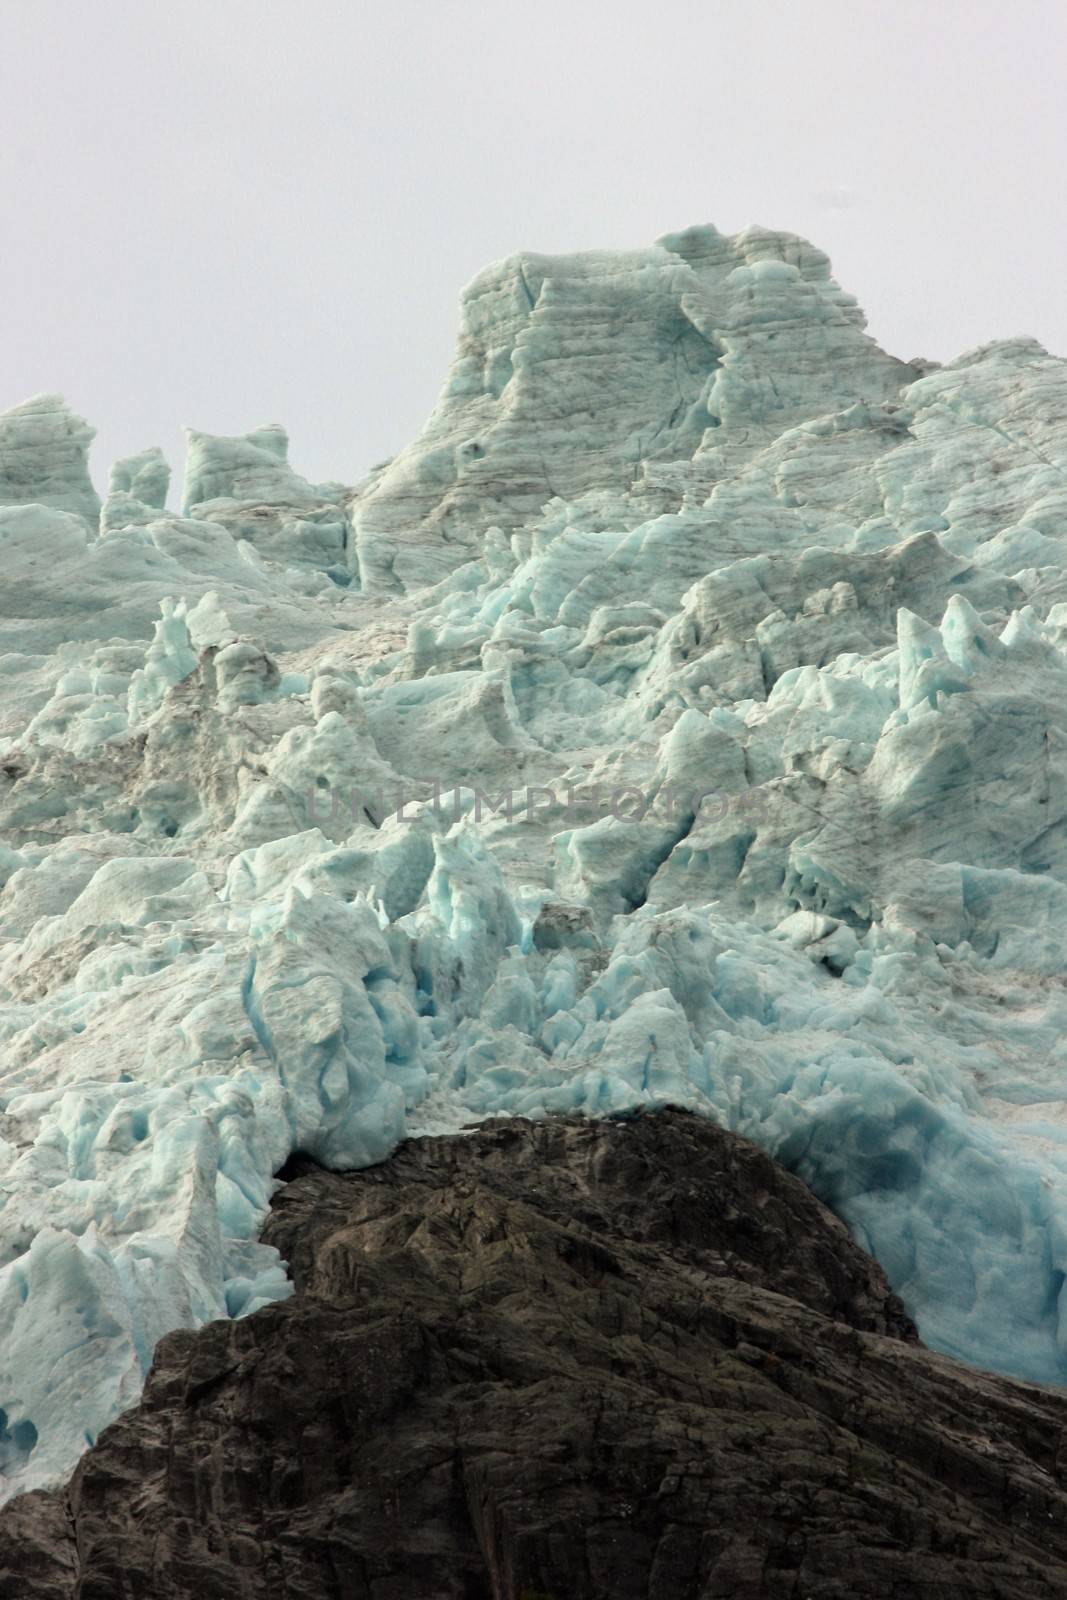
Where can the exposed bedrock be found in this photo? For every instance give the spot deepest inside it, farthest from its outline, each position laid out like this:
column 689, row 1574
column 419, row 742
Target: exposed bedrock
column 565, row 1360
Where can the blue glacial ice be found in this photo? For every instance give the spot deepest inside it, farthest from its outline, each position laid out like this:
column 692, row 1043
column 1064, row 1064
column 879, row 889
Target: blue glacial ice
column 681, row 718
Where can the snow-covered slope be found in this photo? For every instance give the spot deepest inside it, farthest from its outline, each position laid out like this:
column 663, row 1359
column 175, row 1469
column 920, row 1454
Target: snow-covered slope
column 682, row 717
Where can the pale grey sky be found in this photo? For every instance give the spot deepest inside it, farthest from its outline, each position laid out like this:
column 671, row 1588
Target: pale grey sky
column 229, row 212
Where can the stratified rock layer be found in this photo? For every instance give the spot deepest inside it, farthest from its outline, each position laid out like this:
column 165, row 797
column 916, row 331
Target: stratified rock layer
column 573, row 1360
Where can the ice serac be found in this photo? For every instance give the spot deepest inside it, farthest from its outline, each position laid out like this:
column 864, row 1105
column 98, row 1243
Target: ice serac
column 44, row 457
column 614, row 373
column 678, row 720
column 137, row 490
column 246, row 485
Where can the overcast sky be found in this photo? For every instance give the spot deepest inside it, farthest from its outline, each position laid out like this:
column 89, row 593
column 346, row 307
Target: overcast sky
column 230, row 212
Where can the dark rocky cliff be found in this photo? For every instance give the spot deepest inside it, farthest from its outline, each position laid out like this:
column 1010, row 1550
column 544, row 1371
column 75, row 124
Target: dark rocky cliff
column 560, row 1361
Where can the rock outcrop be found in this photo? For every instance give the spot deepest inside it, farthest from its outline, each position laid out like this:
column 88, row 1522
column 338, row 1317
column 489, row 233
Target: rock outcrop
column 568, row 1360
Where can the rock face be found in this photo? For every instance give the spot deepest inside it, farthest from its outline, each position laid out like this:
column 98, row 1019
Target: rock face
column 569, row 1360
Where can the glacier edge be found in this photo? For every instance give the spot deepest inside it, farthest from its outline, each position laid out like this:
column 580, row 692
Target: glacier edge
column 675, row 721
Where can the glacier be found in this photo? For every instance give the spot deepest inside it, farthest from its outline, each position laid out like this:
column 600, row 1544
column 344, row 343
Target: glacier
column 679, row 719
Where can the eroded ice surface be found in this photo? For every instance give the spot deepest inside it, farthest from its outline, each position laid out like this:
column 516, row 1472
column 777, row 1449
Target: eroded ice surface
column 676, row 529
